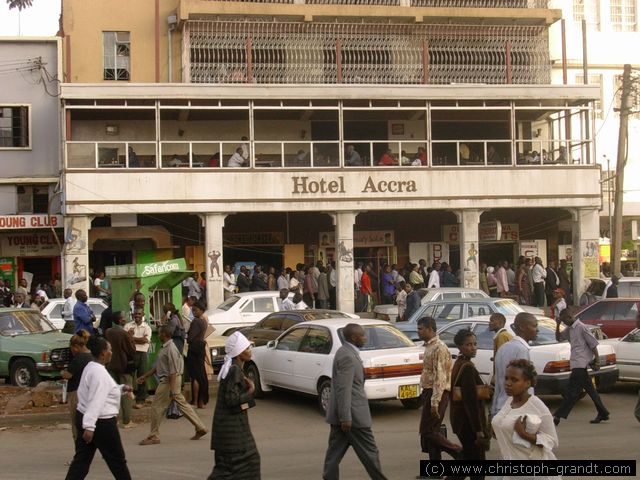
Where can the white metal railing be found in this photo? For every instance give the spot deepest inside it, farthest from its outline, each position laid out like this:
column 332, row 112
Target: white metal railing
column 417, row 3
column 297, row 154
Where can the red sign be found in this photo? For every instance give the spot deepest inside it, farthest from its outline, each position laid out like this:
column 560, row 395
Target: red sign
column 11, row 222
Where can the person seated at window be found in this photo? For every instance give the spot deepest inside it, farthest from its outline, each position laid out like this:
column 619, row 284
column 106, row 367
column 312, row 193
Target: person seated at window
column 536, row 157
column 404, row 159
column 465, row 153
column 352, row 157
column 175, row 161
column 133, row 158
column 237, row 160
column 300, row 160
column 544, row 156
column 422, row 156
column 214, row 160
column 387, row 160
column 562, row 155
column 492, row 156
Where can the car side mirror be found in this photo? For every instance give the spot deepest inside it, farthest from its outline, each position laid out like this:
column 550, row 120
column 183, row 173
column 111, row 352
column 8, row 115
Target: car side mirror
column 271, row 344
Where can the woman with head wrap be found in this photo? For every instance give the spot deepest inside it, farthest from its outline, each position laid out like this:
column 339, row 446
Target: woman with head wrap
column 236, row 454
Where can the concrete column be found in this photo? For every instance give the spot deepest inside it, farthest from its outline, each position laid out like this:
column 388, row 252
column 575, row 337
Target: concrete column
column 75, row 253
column 213, row 225
column 344, row 222
column 469, row 247
column 586, row 249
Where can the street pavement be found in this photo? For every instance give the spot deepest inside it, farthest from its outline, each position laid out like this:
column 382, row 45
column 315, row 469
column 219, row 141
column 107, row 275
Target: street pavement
column 292, row 437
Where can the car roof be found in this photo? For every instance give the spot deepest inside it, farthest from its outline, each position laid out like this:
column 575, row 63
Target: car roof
column 336, row 323
column 470, row 300
column 310, row 311
column 62, row 300
column 485, row 319
column 263, row 293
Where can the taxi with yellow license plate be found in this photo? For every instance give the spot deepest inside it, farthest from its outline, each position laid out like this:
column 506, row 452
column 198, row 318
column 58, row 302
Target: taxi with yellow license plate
column 301, row 360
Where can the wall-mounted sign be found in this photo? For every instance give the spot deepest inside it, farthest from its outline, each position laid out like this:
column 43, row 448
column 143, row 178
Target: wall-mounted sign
column 490, row 231
column 510, row 232
column 255, row 238
column 7, row 269
column 12, row 222
column 377, row 238
column 29, row 245
column 159, row 268
column 487, row 232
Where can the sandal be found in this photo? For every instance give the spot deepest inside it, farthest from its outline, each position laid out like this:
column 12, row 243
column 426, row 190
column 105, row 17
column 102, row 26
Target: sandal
column 150, row 441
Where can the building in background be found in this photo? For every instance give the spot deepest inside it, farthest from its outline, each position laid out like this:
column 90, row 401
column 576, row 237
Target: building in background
column 612, row 34
column 31, row 225
column 268, row 131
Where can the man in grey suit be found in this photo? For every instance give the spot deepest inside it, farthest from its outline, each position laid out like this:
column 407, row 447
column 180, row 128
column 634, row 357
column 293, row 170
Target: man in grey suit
column 348, row 412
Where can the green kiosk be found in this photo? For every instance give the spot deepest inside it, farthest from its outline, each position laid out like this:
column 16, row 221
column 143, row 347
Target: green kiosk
column 159, row 282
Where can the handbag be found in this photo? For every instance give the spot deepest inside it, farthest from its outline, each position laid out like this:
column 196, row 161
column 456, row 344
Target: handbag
column 173, row 412
column 483, row 392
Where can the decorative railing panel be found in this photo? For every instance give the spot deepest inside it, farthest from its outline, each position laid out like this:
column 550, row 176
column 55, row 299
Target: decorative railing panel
column 328, row 53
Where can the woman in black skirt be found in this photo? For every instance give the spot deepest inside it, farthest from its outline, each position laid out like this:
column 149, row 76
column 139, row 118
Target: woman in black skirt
column 196, row 357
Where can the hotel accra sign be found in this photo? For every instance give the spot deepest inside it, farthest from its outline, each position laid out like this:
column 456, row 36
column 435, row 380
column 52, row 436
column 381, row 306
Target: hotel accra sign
column 310, row 185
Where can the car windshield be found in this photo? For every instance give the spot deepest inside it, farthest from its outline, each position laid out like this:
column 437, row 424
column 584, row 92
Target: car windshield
column 508, row 307
column 381, row 337
column 229, row 302
column 25, row 322
column 320, row 315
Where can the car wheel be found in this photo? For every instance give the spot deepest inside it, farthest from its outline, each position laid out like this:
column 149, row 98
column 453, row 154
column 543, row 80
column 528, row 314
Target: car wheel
column 324, row 394
column 253, row 374
column 411, row 403
column 23, row 373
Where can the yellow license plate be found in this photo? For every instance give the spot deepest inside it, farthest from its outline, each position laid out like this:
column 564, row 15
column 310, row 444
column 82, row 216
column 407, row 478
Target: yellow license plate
column 407, row 391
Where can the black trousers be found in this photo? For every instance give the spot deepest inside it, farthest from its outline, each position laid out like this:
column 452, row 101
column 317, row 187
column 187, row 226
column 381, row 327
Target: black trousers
column 106, row 438
column 579, row 380
column 538, row 293
column 432, row 441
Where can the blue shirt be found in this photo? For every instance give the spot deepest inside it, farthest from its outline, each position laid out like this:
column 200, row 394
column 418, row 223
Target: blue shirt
column 83, row 317
column 512, row 350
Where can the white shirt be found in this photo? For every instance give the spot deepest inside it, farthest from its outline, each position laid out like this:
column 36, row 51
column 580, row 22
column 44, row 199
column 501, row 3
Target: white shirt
column 139, row 331
column 300, row 305
column 434, row 279
column 287, row 304
column 186, row 311
column 293, row 283
column 357, row 278
column 67, row 308
column 245, row 150
column 282, row 282
column 228, row 282
column 538, row 273
column 512, row 350
column 98, row 395
column 333, row 277
column 236, row 160
column 195, row 290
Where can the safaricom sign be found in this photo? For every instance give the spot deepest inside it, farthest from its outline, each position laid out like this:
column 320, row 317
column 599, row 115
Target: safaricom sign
column 159, row 268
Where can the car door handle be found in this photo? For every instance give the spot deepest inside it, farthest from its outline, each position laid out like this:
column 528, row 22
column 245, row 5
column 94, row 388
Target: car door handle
column 454, row 356
column 289, row 360
column 319, row 363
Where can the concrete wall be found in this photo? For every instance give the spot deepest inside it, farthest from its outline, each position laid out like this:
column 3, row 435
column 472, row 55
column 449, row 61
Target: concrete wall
column 27, row 87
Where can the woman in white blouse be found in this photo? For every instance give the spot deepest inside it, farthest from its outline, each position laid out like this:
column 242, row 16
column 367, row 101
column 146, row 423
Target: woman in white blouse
column 524, row 427
column 96, row 419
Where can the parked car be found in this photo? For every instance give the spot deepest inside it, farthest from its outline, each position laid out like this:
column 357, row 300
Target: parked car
column 628, row 287
column 53, row 311
column 550, row 357
column 449, row 310
column 243, row 310
column 31, row 348
column 627, row 351
column 271, row 326
column 390, row 311
column 301, row 360
column 616, row 316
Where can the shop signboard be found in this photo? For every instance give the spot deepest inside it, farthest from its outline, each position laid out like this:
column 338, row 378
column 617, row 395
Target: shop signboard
column 13, row 222
column 160, row 268
column 490, row 231
column 534, row 248
column 510, row 232
column 361, row 239
column 451, row 234
column 42, row 244
column 7, row 268
column 487, row 232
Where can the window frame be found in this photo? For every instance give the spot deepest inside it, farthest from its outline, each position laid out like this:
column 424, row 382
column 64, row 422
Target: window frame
column 29, row 109
column 115, row 56
column 623, row 25
column 588, row 7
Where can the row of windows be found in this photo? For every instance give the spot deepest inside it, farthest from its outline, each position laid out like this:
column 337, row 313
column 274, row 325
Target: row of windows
column 622, row 14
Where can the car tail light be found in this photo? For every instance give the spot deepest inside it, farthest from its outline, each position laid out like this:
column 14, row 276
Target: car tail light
column 610, row 359
column 557, row 366
column 392, row 371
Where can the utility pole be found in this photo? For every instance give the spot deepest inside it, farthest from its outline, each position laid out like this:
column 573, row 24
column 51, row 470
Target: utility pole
column 625, row 110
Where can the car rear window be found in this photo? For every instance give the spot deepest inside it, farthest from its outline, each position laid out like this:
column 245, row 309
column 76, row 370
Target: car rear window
column 546, row 335
column 229, row 302
column 381, row 337
column 508, row 307
column 19, row 323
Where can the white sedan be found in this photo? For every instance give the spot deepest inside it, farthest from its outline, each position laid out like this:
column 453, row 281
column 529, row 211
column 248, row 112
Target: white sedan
column 628, row 355
column 301, row 360
column 245, row 310
column 550, row 357
column 53, row 311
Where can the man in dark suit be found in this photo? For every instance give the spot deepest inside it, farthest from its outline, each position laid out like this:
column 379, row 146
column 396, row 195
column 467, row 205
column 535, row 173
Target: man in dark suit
column 348, row 412
column 551, row 282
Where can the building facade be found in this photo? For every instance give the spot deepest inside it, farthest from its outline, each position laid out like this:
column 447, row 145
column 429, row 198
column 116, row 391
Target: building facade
column 31, row 224
column 292, row 132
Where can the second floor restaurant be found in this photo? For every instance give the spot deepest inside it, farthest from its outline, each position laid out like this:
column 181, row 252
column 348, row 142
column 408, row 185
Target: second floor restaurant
column 247, row 127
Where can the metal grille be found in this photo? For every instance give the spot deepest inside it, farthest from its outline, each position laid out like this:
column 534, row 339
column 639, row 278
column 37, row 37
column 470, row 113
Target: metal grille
column 328, row 53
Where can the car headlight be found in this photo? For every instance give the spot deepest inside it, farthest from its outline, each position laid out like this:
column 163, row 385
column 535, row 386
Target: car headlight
column 214, row 352
column 55, row 356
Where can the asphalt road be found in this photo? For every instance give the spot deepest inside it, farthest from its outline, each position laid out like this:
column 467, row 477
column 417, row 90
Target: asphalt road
column 292, row 436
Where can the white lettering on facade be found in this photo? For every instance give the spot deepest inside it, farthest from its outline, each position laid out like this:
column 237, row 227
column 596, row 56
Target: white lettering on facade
column 156, row 269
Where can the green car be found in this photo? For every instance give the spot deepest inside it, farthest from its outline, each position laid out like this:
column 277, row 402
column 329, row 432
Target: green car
column 31, row 348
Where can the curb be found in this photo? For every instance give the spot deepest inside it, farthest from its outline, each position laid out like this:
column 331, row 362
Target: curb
column 53, row 418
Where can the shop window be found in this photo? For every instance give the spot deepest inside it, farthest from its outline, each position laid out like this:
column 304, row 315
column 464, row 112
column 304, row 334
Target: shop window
column 117, row 56
column 14, row 126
